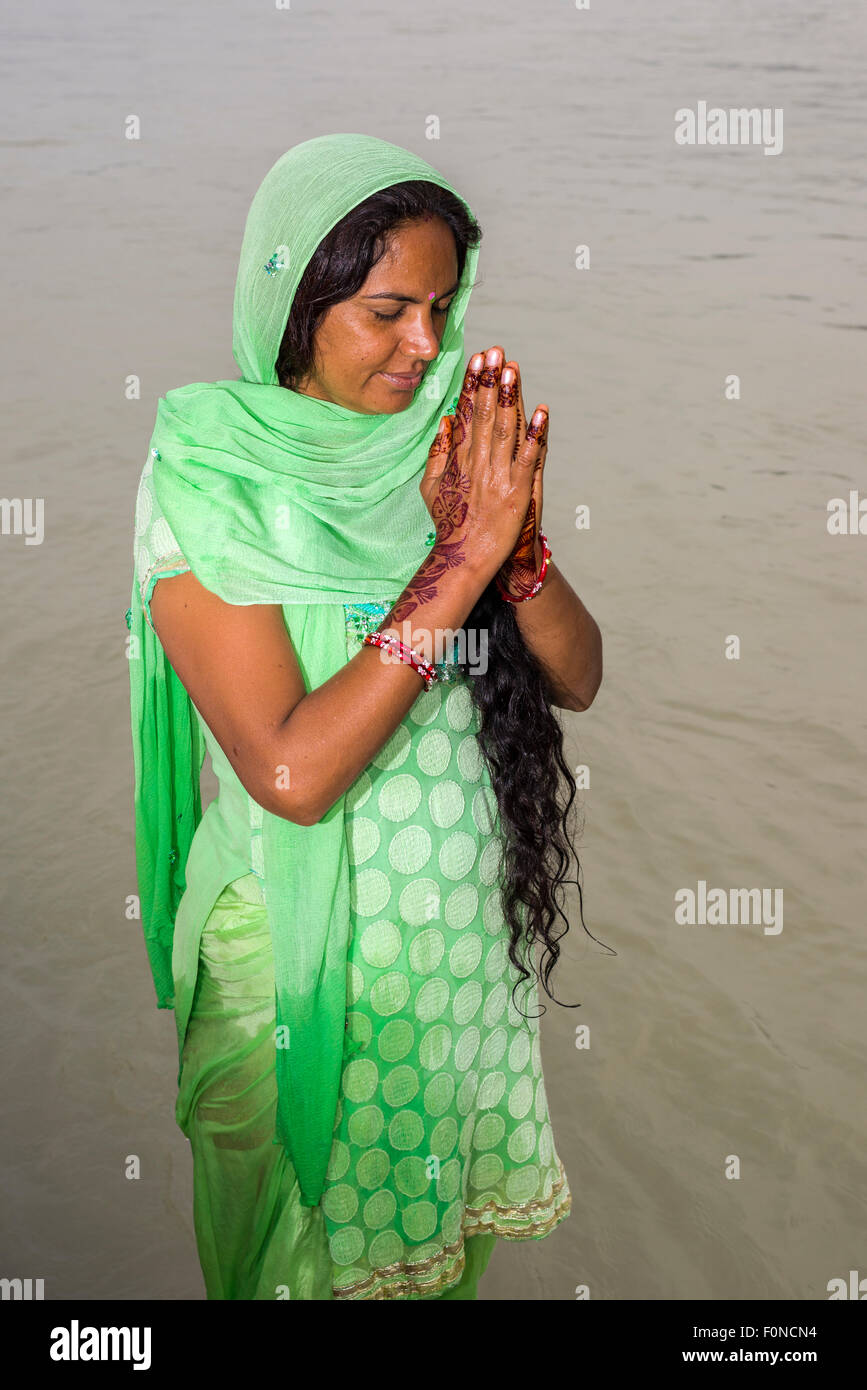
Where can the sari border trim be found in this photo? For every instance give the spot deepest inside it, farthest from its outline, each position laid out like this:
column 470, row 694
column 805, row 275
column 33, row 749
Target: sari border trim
column 173, row 561
column 400, row 1279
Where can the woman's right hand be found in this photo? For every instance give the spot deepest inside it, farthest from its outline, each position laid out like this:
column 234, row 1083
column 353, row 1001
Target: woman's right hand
column 479, row 475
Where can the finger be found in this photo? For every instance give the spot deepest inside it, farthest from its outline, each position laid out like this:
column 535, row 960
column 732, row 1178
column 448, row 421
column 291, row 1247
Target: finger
column 535, row 439
column 505, row 432
column 536, row 498
column 543, row 454
column 466, row 400
column 521, row 419
column 485, row 408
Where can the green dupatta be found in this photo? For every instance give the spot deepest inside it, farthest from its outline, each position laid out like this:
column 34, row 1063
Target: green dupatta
column 276, row 497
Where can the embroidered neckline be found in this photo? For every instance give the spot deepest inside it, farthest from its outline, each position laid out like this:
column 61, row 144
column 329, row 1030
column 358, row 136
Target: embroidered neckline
column 362, row 618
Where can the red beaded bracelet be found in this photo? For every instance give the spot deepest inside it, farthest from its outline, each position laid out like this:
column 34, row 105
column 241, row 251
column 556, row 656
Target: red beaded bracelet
column 390, row 642
column 531, row 593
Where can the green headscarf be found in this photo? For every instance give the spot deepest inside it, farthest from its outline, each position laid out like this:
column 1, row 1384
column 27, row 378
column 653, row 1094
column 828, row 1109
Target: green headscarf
column 276, row 497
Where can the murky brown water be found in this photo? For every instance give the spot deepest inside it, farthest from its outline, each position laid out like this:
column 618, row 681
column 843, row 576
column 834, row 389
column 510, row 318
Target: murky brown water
column 708, row 518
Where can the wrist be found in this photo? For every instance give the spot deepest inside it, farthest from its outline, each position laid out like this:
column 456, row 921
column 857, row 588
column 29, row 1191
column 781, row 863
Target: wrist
column 467, row 564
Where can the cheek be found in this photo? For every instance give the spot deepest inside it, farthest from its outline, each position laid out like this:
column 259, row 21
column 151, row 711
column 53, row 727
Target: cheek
column 371, row 348
column 351, row 341
column 358, row 348
column 345, row 347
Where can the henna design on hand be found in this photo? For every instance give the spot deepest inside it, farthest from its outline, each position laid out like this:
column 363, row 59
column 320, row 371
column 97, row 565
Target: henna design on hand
column 441, row 443
column 519, row 572
column 527, row 539
column 449, row 507
column 422, row 587
column 464, row 409
column 521, row 419
column 539, row 432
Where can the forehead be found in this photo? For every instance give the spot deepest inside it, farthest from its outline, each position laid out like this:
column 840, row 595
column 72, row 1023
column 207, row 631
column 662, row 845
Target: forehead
column 424, row 251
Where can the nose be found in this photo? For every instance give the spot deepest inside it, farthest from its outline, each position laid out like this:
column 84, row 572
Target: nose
column 422, row 340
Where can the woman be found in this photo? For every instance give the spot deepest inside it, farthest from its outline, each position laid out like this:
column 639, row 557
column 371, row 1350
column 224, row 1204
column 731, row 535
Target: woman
column 343, row 932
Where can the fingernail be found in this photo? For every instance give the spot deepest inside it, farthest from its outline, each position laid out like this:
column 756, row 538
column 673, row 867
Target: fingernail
column 493, row 356
column 477, row 362
column 507, row 375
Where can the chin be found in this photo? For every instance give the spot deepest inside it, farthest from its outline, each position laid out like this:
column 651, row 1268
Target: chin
column 393, row 403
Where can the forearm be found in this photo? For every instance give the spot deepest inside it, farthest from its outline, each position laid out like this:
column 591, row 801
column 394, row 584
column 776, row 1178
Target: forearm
column 336, row 730
column 563, row 637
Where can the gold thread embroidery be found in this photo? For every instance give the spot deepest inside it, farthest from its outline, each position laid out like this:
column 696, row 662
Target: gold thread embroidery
column 392, row 1281
column 521, row 1207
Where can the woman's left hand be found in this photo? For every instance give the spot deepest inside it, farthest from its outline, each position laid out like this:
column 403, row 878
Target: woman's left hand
column 520, row 570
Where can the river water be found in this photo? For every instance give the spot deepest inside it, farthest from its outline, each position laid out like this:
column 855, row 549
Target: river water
column 714, row 1050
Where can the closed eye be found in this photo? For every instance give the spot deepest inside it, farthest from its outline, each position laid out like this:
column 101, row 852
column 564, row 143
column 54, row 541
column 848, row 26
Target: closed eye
column 438, row 309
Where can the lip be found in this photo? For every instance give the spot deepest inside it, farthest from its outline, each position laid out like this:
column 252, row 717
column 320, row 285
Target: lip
column 402, row 382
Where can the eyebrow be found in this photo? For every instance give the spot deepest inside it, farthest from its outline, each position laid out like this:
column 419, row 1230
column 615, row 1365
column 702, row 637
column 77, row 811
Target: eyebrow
column 407, row 298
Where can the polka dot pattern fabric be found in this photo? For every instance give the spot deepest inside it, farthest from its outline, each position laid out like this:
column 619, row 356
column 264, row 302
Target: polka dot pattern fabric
column 442, row 1130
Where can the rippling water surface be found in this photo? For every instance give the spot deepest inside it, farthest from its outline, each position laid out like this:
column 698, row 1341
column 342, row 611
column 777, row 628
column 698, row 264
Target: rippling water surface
column 707, row 519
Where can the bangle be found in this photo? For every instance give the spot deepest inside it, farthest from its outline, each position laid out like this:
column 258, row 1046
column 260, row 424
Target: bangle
column 389, row 642
column 530, row 593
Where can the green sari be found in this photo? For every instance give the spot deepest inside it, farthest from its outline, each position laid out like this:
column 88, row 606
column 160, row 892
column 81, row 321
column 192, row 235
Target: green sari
column 385, row 1038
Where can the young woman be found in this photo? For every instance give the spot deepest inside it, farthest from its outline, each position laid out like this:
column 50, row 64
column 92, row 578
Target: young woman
column 347, row 933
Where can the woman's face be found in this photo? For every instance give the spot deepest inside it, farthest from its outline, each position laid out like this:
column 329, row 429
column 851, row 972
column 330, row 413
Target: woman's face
column 391, row 327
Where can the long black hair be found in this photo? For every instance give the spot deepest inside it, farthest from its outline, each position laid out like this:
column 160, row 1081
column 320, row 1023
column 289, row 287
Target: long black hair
column 520, row 736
